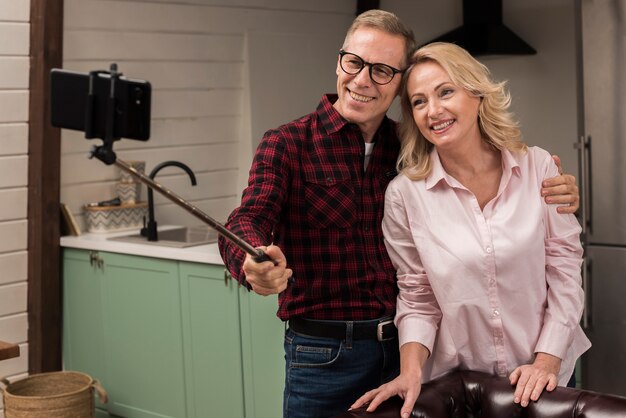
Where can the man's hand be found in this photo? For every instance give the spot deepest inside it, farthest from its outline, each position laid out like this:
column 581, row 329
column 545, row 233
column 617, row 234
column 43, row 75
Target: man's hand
column 267, row 278
column 561, row 190
column 532, row 379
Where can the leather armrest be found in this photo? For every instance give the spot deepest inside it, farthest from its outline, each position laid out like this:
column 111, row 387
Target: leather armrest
column 458, row 394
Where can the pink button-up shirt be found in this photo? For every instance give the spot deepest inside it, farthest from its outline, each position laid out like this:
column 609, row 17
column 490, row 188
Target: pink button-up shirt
column 486, row 289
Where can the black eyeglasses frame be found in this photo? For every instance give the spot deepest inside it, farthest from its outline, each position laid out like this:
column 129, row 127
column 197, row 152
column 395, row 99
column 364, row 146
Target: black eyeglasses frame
column 395, row 71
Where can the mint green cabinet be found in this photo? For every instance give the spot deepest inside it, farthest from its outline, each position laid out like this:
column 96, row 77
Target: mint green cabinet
column 263, row 355
column 212, row 342
column 122, row 325
column 142, row 328
column 171, row 339
column 83, row 330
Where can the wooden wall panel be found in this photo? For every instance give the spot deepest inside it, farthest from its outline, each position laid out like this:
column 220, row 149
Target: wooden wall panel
column 218, row 209
column 13, row 138
column 14, row 105
column 14, row 96
column 14, row 269
column 18, row 33
column 140, row 46
column 166, row 132
column 16, row 230
column 75, row 168
column 13, row 205
column 14, row 171
column 12, row 298
column 15, row 10
column 14, row 72
column 196, row 103
column 186, row 18
column 194, row 53
column 317, row 6
column 13, row 329
column 15, row 367
column 174, row 74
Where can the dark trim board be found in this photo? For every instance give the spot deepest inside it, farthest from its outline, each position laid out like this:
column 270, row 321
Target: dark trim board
column 44, row 162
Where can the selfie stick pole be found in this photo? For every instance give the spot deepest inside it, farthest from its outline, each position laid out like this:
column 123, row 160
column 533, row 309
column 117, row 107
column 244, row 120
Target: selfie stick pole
column 258, row 255
column 106, row 154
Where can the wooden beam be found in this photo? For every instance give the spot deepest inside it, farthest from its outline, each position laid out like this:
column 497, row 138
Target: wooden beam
column 44, row 161
column 365, row 5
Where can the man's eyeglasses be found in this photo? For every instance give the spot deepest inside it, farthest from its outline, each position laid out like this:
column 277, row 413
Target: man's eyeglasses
column 379, row 73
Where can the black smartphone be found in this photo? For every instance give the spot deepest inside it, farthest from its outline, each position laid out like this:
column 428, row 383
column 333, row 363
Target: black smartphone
column 82, row 104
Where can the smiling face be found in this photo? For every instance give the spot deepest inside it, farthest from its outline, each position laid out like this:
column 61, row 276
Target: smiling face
column 361, row 101
column 446, row 114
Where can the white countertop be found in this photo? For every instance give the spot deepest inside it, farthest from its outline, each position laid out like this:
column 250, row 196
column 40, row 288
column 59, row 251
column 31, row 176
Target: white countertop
column 207, row 253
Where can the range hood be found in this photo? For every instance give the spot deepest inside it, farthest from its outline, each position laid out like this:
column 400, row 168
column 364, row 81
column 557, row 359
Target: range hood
column 483, row 32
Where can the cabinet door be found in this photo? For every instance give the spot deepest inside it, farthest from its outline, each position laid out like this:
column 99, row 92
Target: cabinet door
column 83, row 334
column 122, row 325
column 262, row 335
column 212, row 341
column 142, row 328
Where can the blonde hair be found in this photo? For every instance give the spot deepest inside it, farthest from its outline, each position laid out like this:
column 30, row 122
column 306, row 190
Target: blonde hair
column 386, row 22
column 498, row 126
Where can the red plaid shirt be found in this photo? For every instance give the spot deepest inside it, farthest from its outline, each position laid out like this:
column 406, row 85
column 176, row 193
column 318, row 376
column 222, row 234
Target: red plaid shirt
column 308, row 194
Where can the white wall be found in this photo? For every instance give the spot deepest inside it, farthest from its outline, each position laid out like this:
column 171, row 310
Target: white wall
column 223, row 72
column 199, row 56
column 14, row 71
column 543, row 86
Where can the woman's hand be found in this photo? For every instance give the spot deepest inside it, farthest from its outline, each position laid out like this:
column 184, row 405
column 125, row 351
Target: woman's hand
column 532, row 379
column 407, row 386
column 561, row 190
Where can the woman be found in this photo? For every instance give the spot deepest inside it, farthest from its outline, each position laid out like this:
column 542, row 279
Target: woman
column 488, row 273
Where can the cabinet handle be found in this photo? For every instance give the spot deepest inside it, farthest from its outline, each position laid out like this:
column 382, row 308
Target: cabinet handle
column 95, row 259
column 226, row 277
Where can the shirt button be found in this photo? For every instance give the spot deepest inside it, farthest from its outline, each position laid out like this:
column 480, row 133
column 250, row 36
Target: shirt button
column 496, row 312
column 488, row 249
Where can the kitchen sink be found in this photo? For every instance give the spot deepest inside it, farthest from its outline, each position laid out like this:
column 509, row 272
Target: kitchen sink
column 175, row 237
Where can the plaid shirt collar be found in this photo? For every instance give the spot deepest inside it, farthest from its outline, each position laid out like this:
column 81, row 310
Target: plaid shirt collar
column 331, row 119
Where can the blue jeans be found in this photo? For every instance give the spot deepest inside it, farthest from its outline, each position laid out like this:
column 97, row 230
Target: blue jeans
column 324, row 376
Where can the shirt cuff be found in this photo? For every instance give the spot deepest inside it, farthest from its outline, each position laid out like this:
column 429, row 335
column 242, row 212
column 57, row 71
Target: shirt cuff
column 555, row 339
column 411, row 329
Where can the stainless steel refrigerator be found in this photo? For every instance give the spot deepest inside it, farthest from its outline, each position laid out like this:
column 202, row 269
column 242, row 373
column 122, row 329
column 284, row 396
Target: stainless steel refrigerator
column 602, row 155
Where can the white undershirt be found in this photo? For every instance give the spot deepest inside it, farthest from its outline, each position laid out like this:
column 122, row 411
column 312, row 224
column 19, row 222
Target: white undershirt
column 369, row 147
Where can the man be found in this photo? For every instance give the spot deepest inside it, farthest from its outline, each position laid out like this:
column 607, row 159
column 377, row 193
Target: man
column 316, row 193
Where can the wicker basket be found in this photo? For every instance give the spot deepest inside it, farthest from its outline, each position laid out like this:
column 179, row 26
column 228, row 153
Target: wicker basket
column 52, row 395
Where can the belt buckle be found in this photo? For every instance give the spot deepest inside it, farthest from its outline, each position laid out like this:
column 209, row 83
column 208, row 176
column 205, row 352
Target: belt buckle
column 380, row 328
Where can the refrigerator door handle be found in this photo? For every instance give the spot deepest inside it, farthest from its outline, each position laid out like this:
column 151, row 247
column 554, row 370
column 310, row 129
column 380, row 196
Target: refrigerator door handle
column 586, row 284
column 584, row 167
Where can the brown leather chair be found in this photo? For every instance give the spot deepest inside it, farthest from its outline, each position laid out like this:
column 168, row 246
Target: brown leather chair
column 466, row 394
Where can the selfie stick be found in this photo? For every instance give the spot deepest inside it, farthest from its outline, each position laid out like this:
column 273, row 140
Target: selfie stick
column 106, row 154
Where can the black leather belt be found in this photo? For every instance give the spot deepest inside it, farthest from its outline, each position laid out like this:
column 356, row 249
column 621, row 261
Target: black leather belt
column 379, row 329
